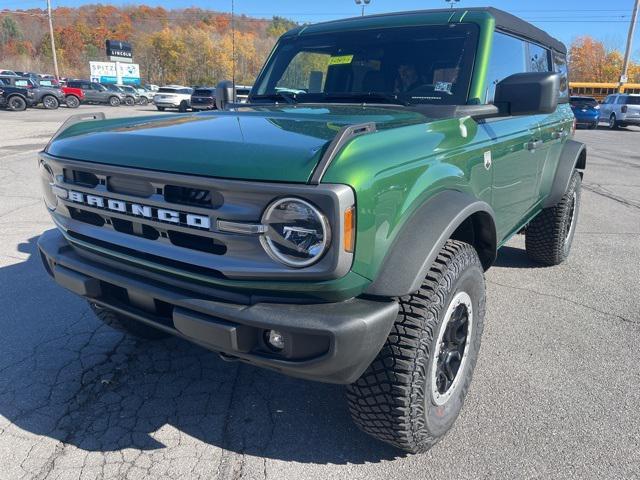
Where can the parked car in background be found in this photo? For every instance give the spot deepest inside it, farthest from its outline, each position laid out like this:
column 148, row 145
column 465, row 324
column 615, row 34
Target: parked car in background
column 131, row 92
column 151, row 87
column 128, row 97
column 203, row 98
column 586, row 110
column 15, row 98
column 242, row 93
column 173, row 96
column 96, row 93
column 72, row 96
column 146, row 95
column 49, row 97
column 7, row 72
column 620, row 110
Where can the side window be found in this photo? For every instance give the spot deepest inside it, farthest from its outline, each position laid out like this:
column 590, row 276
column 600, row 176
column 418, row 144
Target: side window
column 560, row 66
column 607, row 100
column 537, row 59
column 507, row 57
column 621, row 100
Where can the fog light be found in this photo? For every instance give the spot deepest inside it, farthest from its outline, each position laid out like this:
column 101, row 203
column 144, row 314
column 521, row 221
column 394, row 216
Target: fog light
column 274, row 339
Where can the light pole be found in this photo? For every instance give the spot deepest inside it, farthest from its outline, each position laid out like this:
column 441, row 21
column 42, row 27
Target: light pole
column 452, row 2
column 364, row 3
column 53, row 42
column 627, row 53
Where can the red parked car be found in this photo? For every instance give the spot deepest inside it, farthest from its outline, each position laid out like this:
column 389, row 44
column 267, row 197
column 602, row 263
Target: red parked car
column 73, row 96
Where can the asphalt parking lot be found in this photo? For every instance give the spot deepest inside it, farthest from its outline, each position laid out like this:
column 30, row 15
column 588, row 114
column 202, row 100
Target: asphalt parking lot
column 556, row 392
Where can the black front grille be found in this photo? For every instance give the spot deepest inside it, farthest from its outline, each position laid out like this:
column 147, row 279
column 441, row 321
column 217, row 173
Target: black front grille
column 86, row 217
column 78, row 177
column 130, row 186
column 194, row 197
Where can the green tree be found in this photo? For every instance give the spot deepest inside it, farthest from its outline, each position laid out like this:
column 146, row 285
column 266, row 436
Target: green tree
column 9, row 31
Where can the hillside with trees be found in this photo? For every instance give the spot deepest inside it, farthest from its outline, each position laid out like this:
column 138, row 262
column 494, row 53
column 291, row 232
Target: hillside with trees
column 194, row 46
column 186, row 46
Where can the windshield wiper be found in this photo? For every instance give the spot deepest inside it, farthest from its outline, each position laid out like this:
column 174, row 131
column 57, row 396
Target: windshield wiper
column 371, row 96
column 286, row 96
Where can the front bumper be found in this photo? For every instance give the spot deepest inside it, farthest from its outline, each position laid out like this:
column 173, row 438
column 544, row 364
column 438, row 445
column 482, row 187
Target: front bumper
column 327, row 342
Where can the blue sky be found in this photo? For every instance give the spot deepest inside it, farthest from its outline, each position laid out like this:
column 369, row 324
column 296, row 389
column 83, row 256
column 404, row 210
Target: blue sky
column 565, row 19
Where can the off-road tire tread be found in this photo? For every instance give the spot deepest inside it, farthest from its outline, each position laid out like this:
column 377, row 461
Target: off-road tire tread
column 544, row 239
column 127, row 325
column 387, row 401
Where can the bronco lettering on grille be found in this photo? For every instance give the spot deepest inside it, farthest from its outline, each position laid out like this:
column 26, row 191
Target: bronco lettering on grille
column 138, row 210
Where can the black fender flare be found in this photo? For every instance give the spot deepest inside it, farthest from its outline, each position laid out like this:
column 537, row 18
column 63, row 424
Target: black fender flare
column 574, row 155
column 423, row 235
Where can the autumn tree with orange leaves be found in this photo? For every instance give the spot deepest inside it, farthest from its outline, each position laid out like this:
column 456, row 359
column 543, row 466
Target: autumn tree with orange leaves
column 591, row 61
column 187, row 46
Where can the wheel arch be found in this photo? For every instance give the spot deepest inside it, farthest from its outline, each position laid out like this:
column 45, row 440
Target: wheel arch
column 573, row 156
column 450, row 214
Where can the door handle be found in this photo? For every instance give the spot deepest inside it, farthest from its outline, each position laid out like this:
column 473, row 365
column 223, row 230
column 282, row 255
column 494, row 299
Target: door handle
column 533, row 144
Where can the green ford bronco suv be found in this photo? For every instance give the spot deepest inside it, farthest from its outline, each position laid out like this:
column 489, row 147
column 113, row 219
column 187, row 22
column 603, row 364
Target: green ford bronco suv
column 338, row 225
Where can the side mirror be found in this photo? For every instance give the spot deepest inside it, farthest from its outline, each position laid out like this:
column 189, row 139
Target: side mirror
column 528, row 93
column 225, row 94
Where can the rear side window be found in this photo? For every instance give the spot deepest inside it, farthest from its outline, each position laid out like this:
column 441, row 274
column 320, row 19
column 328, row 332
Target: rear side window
column 560, row 66
column 537, row 58
column 167, row 90
column 633, row 100
column 508, row 56
column 203, row 92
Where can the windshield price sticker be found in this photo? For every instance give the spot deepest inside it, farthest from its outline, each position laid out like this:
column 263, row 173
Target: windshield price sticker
column 341, row 60
column 443, row 87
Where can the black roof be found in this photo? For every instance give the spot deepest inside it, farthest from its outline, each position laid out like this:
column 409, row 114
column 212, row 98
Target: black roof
column 512, row 24
column 505, row 22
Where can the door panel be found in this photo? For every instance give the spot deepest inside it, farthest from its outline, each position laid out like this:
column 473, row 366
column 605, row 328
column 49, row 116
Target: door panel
column 516, row 162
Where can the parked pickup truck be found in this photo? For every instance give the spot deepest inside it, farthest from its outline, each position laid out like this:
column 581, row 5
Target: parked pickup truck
column 338, row 225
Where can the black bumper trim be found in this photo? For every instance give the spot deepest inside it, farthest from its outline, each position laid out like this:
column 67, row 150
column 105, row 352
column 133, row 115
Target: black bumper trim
column 356, row 329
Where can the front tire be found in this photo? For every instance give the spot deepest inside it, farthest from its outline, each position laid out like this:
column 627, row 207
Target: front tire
column 160, row 109
column 183, row 107
column 413, row 391
column 550, row 235
column 50, row 102
column 129, row 101
column 114, row 101
column 126, row 324
column 72, row 101
column 16, row 104
column 144, row 101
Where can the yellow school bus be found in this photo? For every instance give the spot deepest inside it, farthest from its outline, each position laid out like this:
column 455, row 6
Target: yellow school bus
column 601, row 90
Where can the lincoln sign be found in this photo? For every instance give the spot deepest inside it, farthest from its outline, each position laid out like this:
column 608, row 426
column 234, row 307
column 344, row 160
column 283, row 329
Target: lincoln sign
column 119, row 51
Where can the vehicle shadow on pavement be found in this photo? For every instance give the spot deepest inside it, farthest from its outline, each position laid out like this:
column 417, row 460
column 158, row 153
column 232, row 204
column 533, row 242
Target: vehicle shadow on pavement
column 66, row 376
column 512, row 257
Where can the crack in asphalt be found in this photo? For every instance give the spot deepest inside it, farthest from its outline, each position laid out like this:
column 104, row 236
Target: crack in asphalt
column 574, row 302
column 600, row 190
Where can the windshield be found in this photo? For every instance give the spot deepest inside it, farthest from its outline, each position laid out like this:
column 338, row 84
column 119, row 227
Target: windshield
column 408, row 65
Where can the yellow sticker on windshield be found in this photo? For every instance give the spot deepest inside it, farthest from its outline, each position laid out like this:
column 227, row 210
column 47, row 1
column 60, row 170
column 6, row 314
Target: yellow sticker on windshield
column 341, row 60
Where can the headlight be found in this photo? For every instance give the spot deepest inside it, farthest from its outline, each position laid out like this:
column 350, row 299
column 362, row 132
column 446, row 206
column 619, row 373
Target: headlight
column 297, row 234
column 47, row 179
